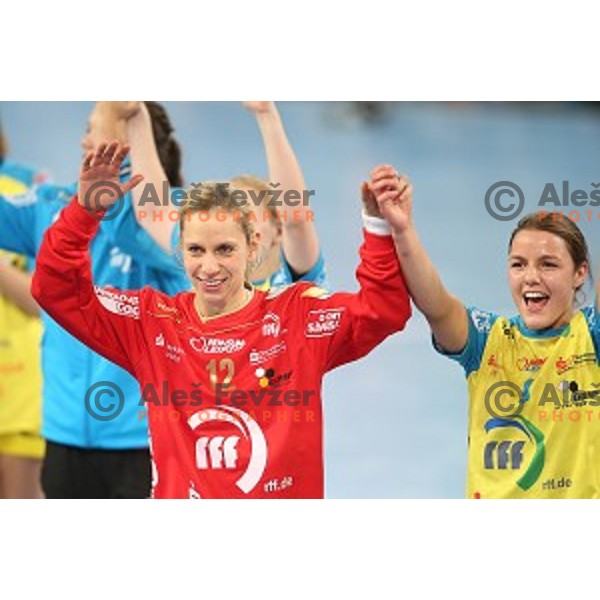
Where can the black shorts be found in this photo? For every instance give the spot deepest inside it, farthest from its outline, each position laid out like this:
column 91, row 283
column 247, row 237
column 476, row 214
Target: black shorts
column 70, row 472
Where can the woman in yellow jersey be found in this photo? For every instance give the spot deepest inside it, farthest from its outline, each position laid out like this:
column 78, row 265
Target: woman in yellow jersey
column 534, row 379
column 21, row 446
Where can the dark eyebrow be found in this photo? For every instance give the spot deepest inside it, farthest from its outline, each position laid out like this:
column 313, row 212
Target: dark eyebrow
column 543, row 257
column 549, row 257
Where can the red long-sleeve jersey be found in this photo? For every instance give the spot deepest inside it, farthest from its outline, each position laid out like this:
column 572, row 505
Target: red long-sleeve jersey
column 234, row 402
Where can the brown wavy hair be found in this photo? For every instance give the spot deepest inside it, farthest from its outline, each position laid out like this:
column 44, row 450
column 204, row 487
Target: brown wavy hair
column 169, row 150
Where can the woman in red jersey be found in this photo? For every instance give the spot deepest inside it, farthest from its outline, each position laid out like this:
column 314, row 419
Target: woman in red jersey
column 231, row 376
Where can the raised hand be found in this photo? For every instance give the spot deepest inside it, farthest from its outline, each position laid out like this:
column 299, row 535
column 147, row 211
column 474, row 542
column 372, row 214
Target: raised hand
column 393, row 194
column 99, row 179
column 370, row 205
column 259, row 107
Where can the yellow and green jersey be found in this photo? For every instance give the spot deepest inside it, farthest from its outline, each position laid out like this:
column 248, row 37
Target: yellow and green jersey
column 20, row 377
column 534, row 407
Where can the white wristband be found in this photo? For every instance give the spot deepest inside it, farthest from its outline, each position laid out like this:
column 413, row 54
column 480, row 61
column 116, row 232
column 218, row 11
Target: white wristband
column 376, row 225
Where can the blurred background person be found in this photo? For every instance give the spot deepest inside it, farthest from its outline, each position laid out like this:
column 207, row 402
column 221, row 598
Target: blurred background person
column 289, row 246
column 21, row 444
column 92, row 452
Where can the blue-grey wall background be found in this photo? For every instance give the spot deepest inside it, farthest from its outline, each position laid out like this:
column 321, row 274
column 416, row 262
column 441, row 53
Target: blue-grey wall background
column 396, row 421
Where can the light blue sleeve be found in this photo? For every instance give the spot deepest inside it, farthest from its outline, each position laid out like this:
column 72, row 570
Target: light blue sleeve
column 318, row 274
column 18, row 223
column 30, row 264
column 480, row 325
column 175, row 238
column 27, row 175
column 591, row 316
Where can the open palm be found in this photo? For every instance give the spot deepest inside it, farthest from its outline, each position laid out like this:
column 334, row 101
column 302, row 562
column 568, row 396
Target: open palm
column 99, row 179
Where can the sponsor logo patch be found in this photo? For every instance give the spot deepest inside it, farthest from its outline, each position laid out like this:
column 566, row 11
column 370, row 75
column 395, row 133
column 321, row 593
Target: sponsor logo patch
column 322, row 323
column 208, row 345
column 271, row 325
column 258, row 357
column 118, row 303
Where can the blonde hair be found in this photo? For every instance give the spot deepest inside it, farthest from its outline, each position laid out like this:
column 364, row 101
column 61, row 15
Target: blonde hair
column 211, row 195
column 258, row 185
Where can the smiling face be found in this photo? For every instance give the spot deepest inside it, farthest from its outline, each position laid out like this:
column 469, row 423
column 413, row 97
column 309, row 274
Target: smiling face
column 216, row 257
column 103, row 127
column 543, row 278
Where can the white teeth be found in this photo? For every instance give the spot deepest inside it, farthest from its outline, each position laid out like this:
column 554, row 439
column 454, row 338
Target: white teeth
column 535, row 297
column 211, row 283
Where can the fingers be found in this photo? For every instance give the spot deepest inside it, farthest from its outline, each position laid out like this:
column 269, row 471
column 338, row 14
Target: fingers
column 383, row 171
column 133, row 182
column 390, row 189
column 121, row 154
column 369, row 201
column 107, row 154
column 407, row 192
column 389, row 195
column 98, row 158
column 367, row 194
column 87, row 161
column 390, row 183
column 387, row 184
column 394, row 196
column 386, row 173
